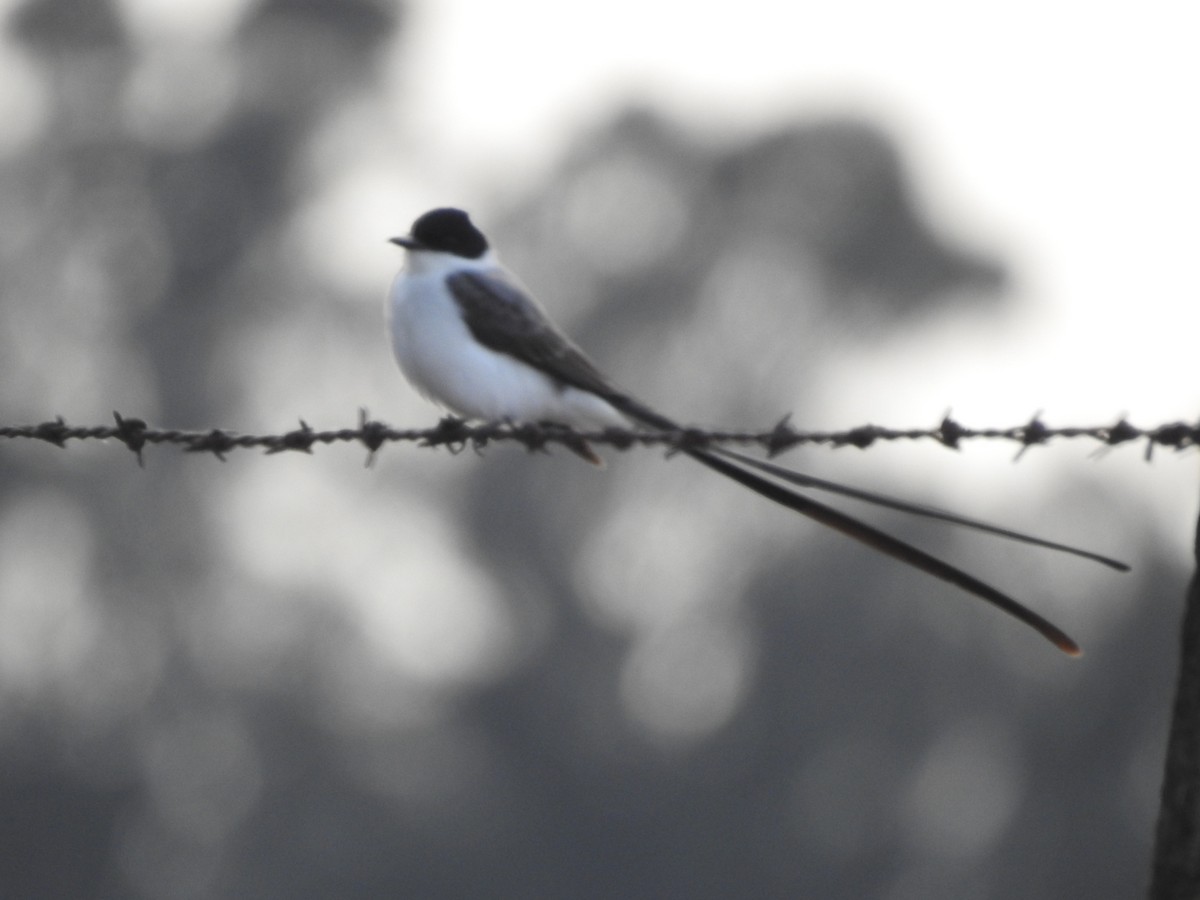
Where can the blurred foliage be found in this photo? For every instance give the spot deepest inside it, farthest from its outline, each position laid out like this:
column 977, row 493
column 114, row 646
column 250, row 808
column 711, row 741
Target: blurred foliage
column 447, row 678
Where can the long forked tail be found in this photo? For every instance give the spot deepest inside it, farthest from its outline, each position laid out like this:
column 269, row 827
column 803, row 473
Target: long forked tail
column 736, row 466
column 886, row 544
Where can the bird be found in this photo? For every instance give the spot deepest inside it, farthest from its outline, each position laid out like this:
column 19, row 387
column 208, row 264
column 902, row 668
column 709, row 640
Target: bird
column 470, row 337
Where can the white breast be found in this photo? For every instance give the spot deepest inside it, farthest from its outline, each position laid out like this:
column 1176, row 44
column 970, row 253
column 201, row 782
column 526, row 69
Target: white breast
column 439, row 356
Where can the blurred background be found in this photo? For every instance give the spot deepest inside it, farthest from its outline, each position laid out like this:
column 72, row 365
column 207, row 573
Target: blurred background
column 513, row 675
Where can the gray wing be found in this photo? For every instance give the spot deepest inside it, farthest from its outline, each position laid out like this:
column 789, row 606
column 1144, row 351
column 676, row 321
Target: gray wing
column 503, row 317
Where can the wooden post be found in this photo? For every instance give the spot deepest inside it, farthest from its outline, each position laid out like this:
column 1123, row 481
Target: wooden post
column 1176, row 874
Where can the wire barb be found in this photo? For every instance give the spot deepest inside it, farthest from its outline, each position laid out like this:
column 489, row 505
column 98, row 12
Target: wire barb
column 132, row 432
column 301, row 439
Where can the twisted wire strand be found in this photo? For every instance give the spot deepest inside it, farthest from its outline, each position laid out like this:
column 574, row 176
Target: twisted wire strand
column 456, row 435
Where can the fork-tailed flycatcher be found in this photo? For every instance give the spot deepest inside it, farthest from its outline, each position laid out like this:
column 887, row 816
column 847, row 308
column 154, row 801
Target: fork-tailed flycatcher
column 469, row 337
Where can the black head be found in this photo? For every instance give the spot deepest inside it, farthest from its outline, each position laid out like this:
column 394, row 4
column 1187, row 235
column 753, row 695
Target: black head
column 446, row 230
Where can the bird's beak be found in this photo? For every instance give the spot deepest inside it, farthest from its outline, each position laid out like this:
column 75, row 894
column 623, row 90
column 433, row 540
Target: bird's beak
column 406, row 242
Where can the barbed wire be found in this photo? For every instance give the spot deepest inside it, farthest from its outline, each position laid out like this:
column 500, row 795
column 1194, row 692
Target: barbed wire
column 457, row 434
